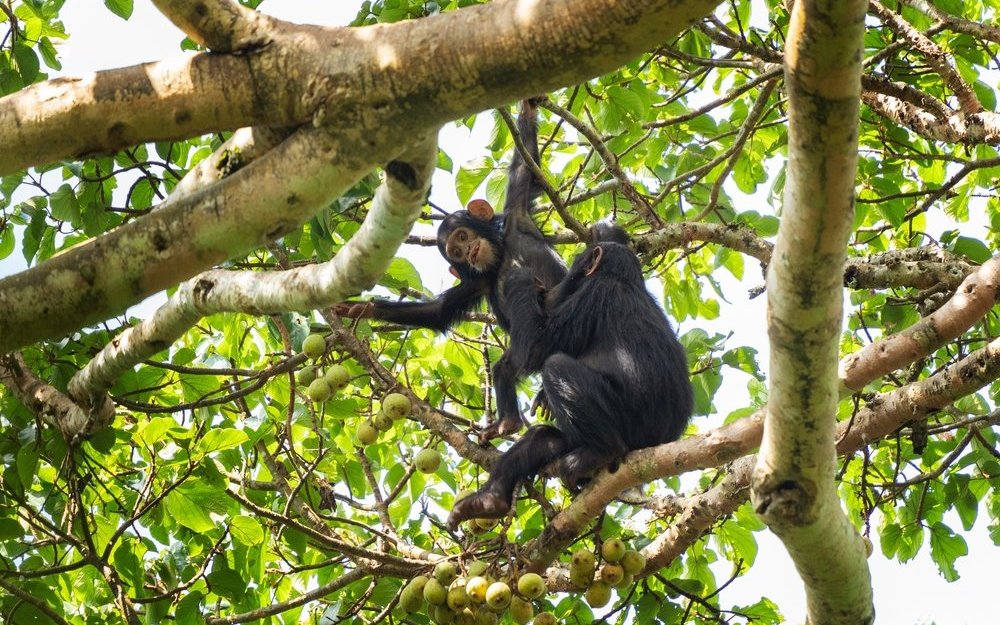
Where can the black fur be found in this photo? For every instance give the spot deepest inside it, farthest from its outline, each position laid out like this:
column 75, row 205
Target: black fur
column 614, row 375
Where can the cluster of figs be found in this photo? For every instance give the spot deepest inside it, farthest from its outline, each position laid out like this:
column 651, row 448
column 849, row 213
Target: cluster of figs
column 473, row 598
column 321, row 385
column 618, row 570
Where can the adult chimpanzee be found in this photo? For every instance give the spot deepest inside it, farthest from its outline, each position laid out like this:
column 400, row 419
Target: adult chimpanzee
column 614, row 376
column 483, row 249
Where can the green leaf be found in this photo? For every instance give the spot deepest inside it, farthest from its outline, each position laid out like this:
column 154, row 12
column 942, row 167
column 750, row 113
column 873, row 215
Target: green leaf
column 188, row 512
column 889, row 539
column 27, row 63
column 227, row 583
column 910, row 542
column 10, row 529
column 946, row 548
column 444, row 161
column 189, row 609
column 740, row 540
column 967, row 507
column 247, row 530
column 401, row 274
column 153, row 431
column 470, row 176
column 49, row 55
column 64, row 205
column 218, row 439
column 973, row 249
column 7, row 242
column 705, row 384
column 121, row 8
column 104, row 439
column 763, row 612
column 27, row 464
column 630, row 102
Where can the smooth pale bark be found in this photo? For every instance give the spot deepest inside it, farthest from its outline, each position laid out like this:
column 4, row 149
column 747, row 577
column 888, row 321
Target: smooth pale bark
column 793, row 487
column 360, row 95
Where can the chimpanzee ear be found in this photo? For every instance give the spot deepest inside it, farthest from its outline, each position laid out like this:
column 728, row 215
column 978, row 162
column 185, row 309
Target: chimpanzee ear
column 454, row 272
column 595, row 260
column 480, row 209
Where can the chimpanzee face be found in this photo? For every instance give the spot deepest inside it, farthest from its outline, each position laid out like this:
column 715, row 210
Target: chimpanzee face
column 465, row 246
column 471, row 240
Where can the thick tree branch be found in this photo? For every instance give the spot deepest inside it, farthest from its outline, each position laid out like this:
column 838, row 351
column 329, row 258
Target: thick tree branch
column 358, row 78
column 258, row 203
column 219, row 25
column 971, row 302
column 983, row 127
column 978, row 30
column 48, row 403
column 71, row 118
column 793, row 487
column 935, row 56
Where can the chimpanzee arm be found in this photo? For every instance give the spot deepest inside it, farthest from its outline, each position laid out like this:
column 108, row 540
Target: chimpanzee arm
column 438, row 314
column 523, row 300
column 522, row 187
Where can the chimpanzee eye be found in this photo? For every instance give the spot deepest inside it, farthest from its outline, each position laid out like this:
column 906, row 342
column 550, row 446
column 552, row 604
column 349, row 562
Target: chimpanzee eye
column 461, row 235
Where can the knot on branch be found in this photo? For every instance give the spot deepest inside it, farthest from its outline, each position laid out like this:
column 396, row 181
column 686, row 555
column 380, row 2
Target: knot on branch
column 789, row 503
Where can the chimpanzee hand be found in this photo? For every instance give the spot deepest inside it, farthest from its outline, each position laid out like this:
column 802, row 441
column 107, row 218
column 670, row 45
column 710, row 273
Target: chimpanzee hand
column 540, row 407
column 504, row 426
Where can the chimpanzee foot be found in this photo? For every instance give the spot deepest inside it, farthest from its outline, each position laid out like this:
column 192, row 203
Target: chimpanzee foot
column 577, row 468
column 501, row 427
column 478, row 505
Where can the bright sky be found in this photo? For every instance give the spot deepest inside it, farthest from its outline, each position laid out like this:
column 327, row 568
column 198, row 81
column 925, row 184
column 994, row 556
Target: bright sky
column 908, row 594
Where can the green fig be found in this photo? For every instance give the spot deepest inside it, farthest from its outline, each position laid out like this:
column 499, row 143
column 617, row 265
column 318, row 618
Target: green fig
column 520, row 610
column 457, row 598
column 319, row 390
column 613, row 549
column 498, row 596
column 396, row 405
column 434, row 592
column 583, row 560
column 367, row 434
column 306, row 375
column 531, row 585
column 337, row 376
column 612, row 573
column 633, row 562
column 476, row 588
column 545, row 618
column 427, row 460
column 314, row 346
column 381, row 422
column 411, row 598
column 446, row 572
column 599, row 594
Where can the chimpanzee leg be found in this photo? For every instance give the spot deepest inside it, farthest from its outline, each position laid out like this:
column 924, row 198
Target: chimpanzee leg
column 589, row 411
column 539, row 446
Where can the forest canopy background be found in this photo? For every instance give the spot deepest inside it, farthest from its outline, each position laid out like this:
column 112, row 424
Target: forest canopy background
column 687, row 276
